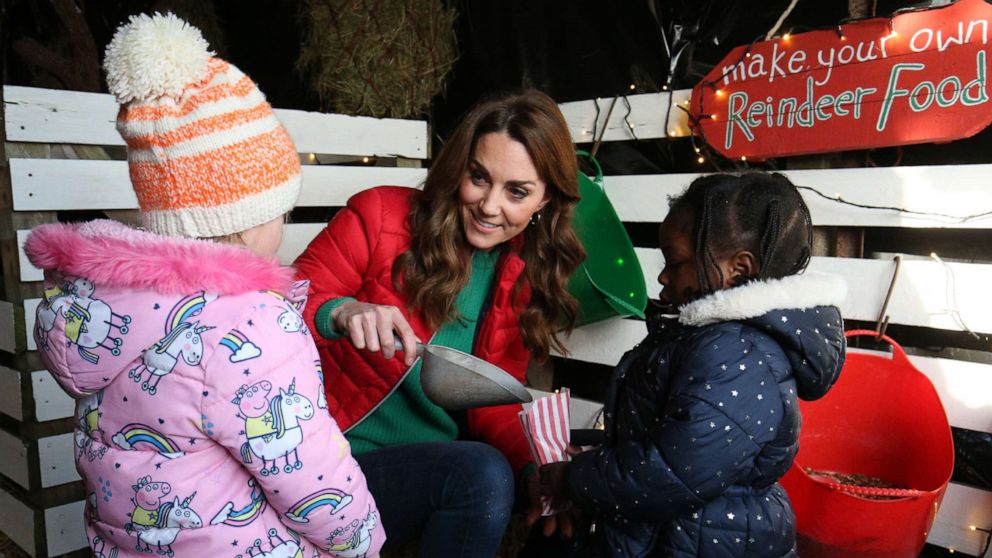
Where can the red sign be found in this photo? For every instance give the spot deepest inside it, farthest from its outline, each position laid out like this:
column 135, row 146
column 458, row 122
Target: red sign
column 919, row 77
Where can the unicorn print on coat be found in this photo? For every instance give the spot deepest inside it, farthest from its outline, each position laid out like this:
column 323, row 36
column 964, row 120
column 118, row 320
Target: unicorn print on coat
column 246, row 513
column 57, row 298
column 280, row 438
column 291, row 321
column 321, row 398
column 354, row 539
column 182, row 340
column 99, row 547
column 278, row 548
column 157, row 521
column 89, row 322
column 87, row 427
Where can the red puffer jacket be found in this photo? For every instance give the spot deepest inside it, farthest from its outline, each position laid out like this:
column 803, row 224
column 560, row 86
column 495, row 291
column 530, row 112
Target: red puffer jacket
column 354, row 257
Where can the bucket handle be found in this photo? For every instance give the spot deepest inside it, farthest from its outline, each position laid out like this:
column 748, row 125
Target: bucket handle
column 599, row 170
column 875, row 491
column 897, row 351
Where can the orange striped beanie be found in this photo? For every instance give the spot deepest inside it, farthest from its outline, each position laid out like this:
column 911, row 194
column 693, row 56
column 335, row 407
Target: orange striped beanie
column 207, row 156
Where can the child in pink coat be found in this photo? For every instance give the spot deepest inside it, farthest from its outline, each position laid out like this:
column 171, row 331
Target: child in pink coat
column 201, row 428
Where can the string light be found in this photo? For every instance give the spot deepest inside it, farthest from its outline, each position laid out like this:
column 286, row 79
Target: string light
column 632, row 87
column 312, row 156
column 840, row 33
column 786, row 37
column 701, row 159
column 365, row 160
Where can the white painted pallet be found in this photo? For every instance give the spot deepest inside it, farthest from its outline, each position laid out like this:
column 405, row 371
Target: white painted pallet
column 75, row 184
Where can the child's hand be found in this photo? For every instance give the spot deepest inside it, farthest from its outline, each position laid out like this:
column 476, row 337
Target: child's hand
column 554, row 483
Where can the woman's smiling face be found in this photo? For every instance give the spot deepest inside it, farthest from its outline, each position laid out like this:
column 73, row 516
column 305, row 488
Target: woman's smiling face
column 500, row 191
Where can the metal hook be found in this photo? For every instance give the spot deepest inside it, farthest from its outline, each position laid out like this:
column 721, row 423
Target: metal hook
column 599, row 140
column 882, row 323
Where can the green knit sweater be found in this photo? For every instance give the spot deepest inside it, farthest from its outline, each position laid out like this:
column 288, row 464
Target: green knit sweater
column 406, row 415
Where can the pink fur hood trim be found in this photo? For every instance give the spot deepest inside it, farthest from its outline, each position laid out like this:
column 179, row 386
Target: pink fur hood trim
column 113, row 254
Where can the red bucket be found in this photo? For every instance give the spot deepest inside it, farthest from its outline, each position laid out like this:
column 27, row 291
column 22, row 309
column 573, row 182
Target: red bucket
column 884, row 419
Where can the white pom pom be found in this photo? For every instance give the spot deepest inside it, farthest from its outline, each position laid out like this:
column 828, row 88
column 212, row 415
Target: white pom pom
column 153, row 56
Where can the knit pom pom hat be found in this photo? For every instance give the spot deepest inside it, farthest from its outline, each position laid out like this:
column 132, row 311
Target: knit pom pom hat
column 207, row 156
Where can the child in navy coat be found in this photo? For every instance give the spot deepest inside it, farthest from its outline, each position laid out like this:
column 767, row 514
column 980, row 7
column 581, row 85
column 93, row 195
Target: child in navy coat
column 702, row 416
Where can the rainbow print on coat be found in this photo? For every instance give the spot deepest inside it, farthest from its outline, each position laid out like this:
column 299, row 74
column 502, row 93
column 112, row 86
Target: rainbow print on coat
column 332, row 497
column 241, row 348
column 136, row 434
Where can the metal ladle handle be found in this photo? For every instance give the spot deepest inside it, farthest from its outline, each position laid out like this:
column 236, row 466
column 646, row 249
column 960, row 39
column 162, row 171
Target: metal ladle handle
column 398, row 344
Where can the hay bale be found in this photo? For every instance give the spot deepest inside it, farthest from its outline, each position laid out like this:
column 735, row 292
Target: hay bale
column 381, row 58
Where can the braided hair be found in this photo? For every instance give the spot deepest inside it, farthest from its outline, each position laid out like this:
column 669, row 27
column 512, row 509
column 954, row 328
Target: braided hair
column 758, row 212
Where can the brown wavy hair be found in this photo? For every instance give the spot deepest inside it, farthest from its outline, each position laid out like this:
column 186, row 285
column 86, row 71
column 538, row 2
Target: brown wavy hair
column 436, row 267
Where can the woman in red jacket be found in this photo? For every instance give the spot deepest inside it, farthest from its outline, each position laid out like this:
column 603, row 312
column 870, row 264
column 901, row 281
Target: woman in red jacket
column 478, row 261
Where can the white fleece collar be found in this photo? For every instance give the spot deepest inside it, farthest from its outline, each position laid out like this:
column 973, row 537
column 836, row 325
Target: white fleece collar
column 757, row 298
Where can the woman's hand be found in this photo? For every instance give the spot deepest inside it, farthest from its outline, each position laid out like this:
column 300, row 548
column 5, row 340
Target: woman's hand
column 375, row 327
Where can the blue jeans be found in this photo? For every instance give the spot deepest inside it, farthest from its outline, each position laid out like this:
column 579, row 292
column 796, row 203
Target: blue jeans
column 455, row 496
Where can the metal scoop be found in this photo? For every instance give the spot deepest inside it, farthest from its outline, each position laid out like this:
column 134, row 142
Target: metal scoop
column 456, row 381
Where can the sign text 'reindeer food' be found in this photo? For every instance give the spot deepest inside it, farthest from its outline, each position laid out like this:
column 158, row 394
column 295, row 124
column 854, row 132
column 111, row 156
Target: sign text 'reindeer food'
column 918, row 77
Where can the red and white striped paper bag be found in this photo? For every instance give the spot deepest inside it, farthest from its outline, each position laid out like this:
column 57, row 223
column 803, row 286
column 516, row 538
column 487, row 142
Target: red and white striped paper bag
column 546, row 424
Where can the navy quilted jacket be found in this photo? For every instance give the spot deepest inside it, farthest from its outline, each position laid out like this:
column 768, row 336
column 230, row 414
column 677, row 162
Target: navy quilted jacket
column 702, row 420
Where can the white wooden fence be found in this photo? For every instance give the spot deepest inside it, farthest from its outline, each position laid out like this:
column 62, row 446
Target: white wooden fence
column 930, row 293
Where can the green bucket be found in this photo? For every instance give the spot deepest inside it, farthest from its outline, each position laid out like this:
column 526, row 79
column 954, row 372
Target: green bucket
column 610, row 282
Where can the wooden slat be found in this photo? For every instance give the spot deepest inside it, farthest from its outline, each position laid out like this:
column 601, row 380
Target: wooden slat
column 10, row 393
column 913, row 301
column 295, row 239
column 65, row 530
column 53, row 116
column 74, row 184
column 17, row 522
column 50, row 402
column 962, row 507
column 14, row 464
column 56, row 460
column 649, row 114
column 965, row 388
column 8, row 336
column 958, row 190
column 921, row 296
column 61, row 184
